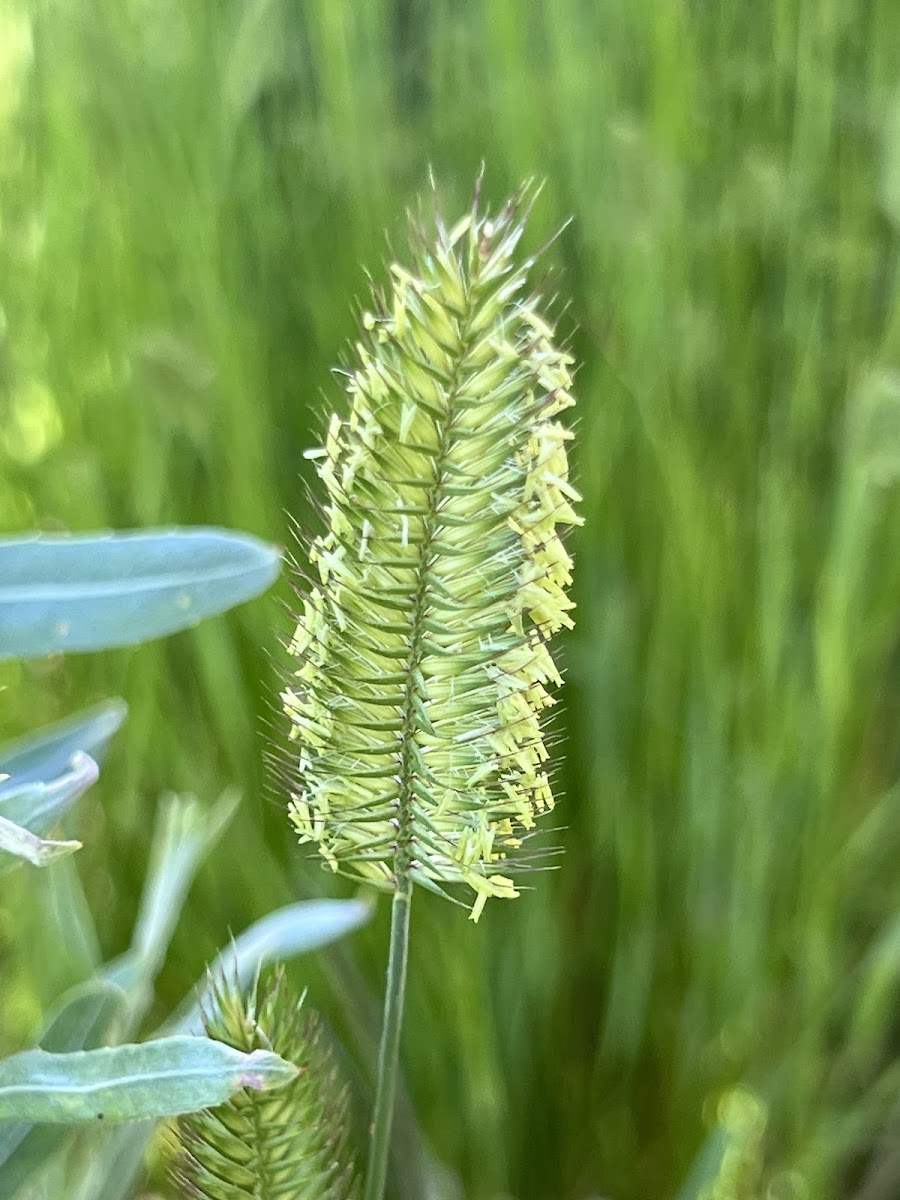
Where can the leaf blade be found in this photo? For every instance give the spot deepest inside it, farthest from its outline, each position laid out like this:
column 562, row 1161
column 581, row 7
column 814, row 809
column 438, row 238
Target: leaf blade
column 184, row 833
column 282, row 934
column 83, row 1019
column 95, row 592
column 29, row 811
column 40, row 804
column 20, row 843
column 133, row 1082
column 47, row 752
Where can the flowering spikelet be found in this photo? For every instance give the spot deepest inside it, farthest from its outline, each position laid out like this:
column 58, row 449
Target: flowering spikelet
column 289, row 1143
column 423, row 667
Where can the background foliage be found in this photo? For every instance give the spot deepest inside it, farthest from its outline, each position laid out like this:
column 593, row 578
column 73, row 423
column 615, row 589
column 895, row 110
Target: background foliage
column 187, row 194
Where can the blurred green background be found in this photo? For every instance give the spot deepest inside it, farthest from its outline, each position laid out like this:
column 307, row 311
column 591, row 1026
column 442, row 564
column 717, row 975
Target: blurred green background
column 189, row 191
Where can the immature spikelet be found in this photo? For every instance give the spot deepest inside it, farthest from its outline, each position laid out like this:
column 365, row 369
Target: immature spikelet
column 423, row 668
column 286, row 1144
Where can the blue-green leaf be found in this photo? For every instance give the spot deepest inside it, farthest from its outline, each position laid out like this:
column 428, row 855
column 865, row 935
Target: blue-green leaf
column 28, row 811
column 187, row 831
column 47, row 752
column 83, row 1019
column 40, row 804
column 295, row 929
column 17, row 842
column 184, row 833
column 132, row 1083
column 92, row 592
column 63, row 912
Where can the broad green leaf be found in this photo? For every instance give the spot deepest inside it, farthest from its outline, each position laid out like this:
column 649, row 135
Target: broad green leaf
column 98, row 591
column 16, row 842
column 132, row 1083
column 83, row 1019
column 295, row 929
column 47, row 752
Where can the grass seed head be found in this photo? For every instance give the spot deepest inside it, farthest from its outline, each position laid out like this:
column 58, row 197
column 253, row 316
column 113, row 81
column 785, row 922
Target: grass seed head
column 423, row 674
column 288, row 1143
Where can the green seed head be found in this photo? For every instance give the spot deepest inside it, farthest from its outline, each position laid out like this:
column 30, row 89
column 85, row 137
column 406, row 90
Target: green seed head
column 423, row 671
column 289, row 1143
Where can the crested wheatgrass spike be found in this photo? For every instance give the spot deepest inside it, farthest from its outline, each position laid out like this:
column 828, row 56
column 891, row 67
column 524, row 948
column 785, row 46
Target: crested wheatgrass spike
column 289, row 1143
column 423, row 670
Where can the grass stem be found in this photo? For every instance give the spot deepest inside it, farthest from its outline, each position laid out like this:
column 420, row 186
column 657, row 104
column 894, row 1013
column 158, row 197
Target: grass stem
column 388, row 1054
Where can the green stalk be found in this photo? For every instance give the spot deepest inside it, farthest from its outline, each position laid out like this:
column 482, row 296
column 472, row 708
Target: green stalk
column 388, row 1054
